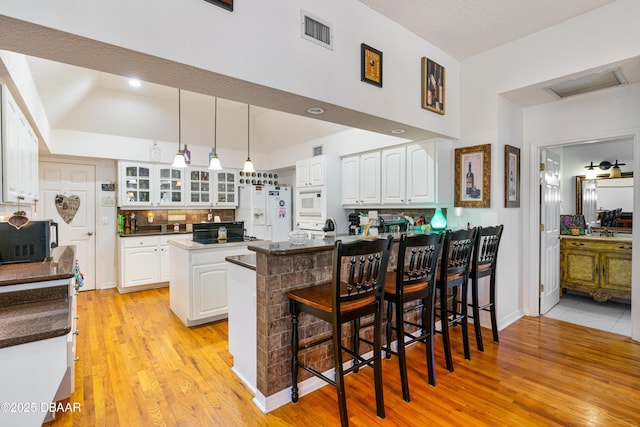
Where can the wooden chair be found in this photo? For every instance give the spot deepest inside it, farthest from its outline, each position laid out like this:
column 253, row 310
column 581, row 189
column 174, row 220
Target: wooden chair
column 454, row 276
column 355, row 290
column 414, row 280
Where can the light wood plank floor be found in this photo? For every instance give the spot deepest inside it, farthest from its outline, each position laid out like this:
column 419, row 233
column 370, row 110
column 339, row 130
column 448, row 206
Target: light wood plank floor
column 139, row 366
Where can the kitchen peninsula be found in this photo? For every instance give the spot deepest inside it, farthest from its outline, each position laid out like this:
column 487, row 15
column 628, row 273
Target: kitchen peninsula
column 37, row 345
column 279, row 268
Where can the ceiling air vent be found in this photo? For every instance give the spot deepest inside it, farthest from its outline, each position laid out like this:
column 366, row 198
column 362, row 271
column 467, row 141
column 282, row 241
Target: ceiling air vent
column 314, row 30
column 588, row 83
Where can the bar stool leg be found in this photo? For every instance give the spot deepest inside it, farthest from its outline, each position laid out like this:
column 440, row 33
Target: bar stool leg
column 476, row 313
column 387, row 351
column 294, row 351
column 402, row 361
column 377, row 364
column 355, row 342
column 339, row 375
column 465, row 321
column 492, row 311
column 427, row 307
column 444, row 326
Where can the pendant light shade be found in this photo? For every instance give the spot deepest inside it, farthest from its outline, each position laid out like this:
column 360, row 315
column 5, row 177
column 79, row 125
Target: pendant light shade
column 214, row 161
column 178, row 160
column 248, row 164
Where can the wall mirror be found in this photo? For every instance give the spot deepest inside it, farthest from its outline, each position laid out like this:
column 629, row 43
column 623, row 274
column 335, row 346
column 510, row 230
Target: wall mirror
column 604, row 193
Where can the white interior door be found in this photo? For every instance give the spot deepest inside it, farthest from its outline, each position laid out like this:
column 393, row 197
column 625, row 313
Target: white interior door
column 66, row 180
column 549, row 231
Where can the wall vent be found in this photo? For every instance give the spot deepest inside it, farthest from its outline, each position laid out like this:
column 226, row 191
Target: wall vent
column 315, row 30
column 587, row 83
column 317, row 151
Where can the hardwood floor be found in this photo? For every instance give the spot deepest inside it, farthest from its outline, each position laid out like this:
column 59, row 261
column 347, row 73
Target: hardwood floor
column 139, row 366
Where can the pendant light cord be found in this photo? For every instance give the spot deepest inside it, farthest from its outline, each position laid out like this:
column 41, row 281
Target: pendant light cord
column 248, row 132
column 215, row 128
column 179, row 121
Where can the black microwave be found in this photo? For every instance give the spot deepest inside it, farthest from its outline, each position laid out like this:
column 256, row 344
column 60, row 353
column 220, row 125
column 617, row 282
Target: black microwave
column 30, row 243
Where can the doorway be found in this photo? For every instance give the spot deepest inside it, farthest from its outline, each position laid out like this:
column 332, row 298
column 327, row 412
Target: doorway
column 68, row 197
column 574, row 306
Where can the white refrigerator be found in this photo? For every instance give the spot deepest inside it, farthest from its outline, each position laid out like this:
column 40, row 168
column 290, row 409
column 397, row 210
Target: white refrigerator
column 266, row 211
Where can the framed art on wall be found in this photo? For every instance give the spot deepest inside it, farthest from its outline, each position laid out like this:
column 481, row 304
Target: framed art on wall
column 226, row 4
column 370, row 65
column 511, row 177
column 473, row 177
column 433, row 86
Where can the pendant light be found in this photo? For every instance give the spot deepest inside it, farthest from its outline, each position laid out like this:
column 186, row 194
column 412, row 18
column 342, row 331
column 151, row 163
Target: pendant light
column 214, row 161
column 178, row 160
column 248, row 164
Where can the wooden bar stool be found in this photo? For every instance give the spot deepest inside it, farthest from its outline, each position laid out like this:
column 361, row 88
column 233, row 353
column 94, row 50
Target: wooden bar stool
column 483, row 264
column 414, row 280
column 356, row 288
column 454, row 276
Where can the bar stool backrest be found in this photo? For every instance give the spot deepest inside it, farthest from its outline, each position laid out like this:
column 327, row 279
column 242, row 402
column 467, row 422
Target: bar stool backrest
column 418, row 257
column 359, row 270
column 456, row 254
column 486, row 249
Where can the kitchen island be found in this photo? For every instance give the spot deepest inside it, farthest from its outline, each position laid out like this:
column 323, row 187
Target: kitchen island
column 279, row 268
column 198, row 279
column 37, row 344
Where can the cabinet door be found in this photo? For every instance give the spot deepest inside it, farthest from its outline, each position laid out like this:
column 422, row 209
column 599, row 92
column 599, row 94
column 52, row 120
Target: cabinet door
column 580, row 267
column 135, row 184
column 316, row 170
column 165, row 262
column 209, row 290
column 420, row 174
column 140, row 266
column 351, row 180
column 302, row 173
column 199, row 187
column 393, row 189
column 226, row 189
column 616, row 268
column 370, row 178
column 169, row 186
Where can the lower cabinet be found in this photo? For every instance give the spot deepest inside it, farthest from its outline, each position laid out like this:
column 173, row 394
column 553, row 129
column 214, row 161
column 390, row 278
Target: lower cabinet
column 145, row 261
column 198, row 281
column 600, row 267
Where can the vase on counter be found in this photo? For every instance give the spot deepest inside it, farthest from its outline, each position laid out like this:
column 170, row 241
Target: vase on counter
column 438, row 221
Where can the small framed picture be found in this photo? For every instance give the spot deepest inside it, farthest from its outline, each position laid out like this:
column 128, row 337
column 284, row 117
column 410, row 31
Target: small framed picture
column 511, row 177
column 433, row 86
column 370, row 65
column 226, row 4
column 473, row 177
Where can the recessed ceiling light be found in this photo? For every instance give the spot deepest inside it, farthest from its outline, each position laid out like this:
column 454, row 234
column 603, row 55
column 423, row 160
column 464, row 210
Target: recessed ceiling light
column 315, row 110
column 398, row 131
column 135, row 83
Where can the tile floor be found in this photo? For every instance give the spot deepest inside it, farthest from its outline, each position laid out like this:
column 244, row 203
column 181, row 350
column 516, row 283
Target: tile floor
column 613, row 316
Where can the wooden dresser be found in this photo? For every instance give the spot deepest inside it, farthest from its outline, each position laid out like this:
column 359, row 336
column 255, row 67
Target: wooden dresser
column 599, row 266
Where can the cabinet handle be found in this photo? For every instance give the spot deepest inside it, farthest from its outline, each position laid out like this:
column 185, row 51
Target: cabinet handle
column 75, row 317
column 77, row 359
column 577, row 244
column 76, row 332
column 625, row 247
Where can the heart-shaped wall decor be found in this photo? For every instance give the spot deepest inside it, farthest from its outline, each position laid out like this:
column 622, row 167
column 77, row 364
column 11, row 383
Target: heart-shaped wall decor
column 67, row 207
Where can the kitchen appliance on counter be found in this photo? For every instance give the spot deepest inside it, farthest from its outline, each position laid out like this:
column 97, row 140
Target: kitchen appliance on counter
column 31, row 243
column 392, row 223
column 266, row 211
column 214, row 232
column 314, row 206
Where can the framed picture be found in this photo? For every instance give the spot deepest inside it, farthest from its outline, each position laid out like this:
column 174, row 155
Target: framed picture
column 370, row 65
column 511, row 177
column 226, row 4
column 473, row 177
column 433, row 86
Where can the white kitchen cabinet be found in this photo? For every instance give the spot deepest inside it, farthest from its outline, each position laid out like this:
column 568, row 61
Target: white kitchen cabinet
column 19, row 153
column 393, row 187
column 145, row 261
column 311, row 172
column 361, row 179
column 198, row 280
column 199, row 186
column 169, row 185
column 135, row 184
column 420, row 174
column 225, row 188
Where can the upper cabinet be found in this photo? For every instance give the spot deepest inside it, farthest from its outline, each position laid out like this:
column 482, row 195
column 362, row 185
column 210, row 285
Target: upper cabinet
column 361, row 179
column 414, row 174
column 19, row 153
column 310, row 172
column 144, row 185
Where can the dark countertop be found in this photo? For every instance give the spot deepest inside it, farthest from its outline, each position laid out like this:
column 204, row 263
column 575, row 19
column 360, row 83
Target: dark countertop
column 169, row 232
column 247, row 261
column 59, row 266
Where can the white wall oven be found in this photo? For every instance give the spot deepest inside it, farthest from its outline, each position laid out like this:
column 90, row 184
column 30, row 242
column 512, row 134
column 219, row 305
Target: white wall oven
column 311, row 206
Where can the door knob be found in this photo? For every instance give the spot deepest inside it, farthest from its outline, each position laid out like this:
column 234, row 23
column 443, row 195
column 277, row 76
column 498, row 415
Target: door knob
column 90, row 233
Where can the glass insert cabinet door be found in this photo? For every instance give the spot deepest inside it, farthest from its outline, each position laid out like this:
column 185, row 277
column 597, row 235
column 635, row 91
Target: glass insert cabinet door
column 137, row 185
column 170, row 186
column 226, row 189
column 199, row 186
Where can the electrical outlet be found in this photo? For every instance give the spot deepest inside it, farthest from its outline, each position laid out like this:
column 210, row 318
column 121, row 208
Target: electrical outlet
column 209, row 217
